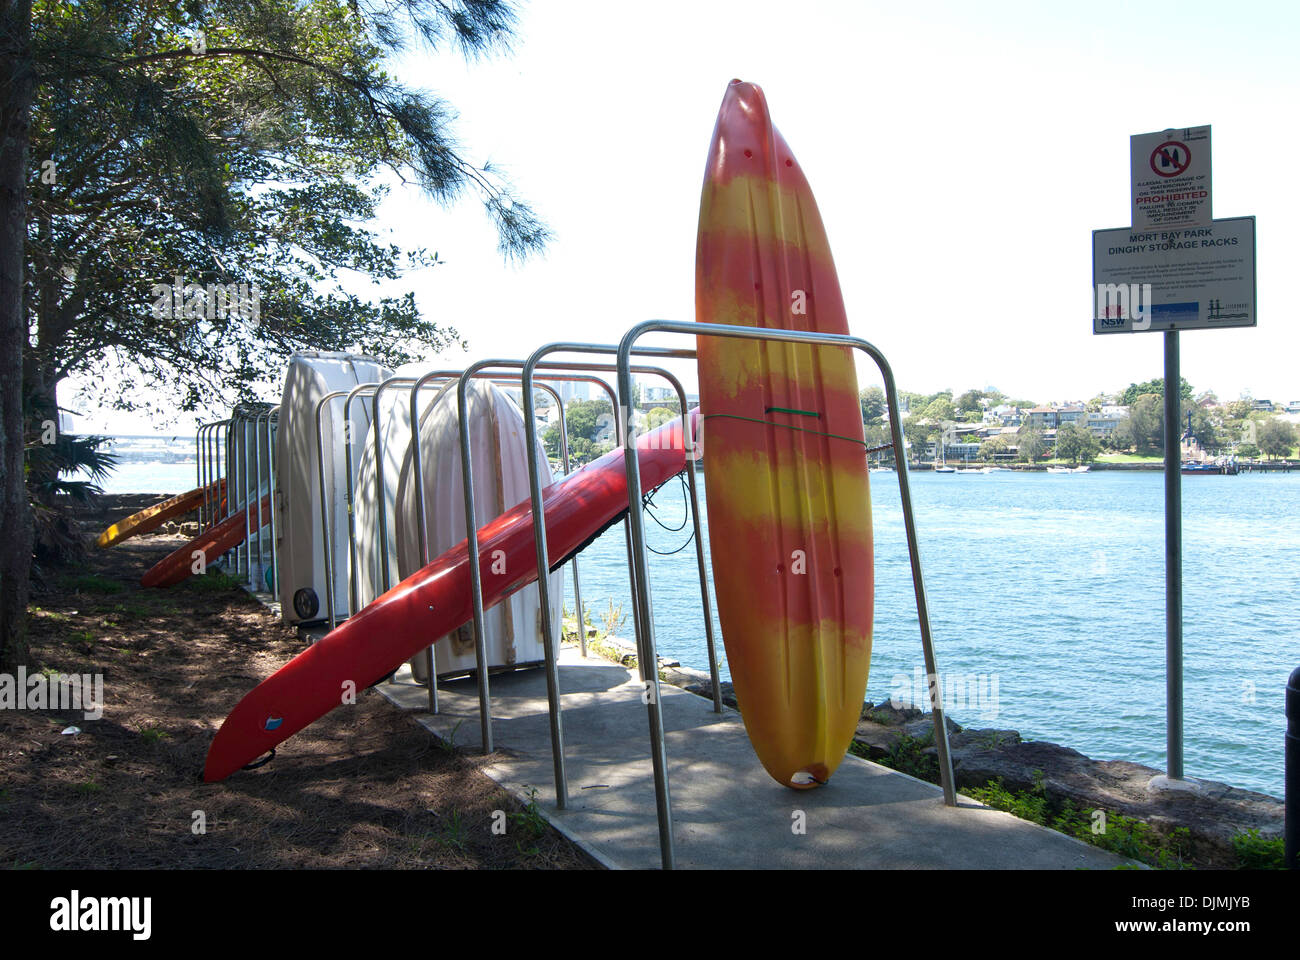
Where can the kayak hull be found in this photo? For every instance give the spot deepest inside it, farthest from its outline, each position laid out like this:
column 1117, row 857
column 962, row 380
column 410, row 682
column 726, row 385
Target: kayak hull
column 788, row 498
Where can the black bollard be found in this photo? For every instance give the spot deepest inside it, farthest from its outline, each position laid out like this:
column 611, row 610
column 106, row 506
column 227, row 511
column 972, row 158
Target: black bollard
column 1293, row 770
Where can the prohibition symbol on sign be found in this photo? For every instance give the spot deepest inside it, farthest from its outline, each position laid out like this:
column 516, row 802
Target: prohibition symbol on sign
column 1170, row 158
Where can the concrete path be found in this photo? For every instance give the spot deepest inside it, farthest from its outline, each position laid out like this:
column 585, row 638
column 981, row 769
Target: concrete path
column 728, row 813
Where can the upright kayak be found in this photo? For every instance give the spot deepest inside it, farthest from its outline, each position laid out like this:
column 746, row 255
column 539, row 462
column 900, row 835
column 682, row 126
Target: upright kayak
column 789, row 506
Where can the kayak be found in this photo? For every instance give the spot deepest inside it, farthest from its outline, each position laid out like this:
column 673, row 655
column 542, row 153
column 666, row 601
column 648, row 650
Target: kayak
column 788, row 499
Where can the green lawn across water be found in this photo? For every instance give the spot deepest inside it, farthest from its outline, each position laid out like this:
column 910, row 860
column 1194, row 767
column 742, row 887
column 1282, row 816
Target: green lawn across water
column 1129, row 458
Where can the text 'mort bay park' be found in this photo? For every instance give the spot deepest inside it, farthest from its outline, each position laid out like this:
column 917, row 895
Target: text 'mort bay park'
column 1173, row 240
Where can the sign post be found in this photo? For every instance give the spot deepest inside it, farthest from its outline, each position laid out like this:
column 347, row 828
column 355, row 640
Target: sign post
column 1175, row 269
column 1173, row 562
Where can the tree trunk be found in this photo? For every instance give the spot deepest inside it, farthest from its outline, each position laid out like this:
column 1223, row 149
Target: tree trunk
column 15, row 515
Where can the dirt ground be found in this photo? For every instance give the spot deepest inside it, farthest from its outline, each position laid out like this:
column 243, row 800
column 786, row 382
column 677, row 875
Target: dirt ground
column 362, row 787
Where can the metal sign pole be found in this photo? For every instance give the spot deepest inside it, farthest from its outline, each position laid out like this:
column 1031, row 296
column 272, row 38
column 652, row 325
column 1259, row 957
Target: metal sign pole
column 1173, row 562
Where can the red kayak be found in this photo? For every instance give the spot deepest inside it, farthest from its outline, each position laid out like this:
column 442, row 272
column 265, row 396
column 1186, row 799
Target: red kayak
column 228, row 534
column 436, row 600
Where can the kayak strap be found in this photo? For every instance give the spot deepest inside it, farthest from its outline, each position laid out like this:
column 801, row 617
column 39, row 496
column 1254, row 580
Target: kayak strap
column 261, row 763
column 786, row 426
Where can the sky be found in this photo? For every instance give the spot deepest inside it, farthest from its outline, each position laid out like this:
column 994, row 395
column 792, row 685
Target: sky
column 961, row 155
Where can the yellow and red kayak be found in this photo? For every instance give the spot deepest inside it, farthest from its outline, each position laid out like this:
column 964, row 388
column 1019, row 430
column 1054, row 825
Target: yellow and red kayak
column 153, row 517
column 789, row 507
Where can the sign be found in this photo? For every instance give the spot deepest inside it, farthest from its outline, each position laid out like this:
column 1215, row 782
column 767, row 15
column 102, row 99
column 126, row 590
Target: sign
column 1191, row 278
column 1171, row 178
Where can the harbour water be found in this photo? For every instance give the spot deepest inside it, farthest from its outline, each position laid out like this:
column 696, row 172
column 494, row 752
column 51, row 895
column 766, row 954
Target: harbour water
column 1047, row 603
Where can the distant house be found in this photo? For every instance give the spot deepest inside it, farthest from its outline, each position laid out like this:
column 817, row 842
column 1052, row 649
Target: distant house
column 953, row 451
column 1103, row 423
column 1042, row 418
column 1003, row 413
column 1071, row 414
column 1293, row 406
column 1264, row 406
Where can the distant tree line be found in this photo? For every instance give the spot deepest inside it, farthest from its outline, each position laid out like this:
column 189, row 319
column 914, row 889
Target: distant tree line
column 1235, row 427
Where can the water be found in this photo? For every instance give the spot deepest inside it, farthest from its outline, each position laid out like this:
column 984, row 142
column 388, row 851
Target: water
column 1047, row 596
column 1050, row 586
column 150, row 464
column 146, row 477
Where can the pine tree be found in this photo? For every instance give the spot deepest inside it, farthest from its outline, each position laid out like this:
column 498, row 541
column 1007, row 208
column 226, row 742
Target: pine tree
column 156, row 157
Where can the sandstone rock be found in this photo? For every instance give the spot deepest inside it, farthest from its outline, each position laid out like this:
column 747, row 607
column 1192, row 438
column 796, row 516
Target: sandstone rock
column 888, row 715
column 922, row 728
column 879, row 739
column 988, row 738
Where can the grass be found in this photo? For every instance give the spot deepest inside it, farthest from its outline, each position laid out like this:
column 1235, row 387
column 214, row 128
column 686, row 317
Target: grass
column 612, row 619
column 1130, row 458
column 214, row 581
column 530, row 819
column 992, row 740
column 1027, row 806
column 877, row 716
column 569, row 623
column 598, row 646
column 154, row 734
column 453, row 834
column 1257, row 853
column 449, row 745
column 128, row 611
column 92, row 583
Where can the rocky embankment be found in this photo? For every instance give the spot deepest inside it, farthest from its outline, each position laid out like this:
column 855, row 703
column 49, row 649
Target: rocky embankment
column 1212, row 816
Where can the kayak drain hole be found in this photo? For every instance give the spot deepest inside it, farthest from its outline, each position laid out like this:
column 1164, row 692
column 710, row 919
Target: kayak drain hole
column 810, row 776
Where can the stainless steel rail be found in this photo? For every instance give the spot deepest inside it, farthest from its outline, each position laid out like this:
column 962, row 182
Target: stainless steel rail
column 644, row 619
